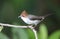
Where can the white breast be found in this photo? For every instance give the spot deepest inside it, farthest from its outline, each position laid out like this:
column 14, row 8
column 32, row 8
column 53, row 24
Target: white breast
column 28, row 21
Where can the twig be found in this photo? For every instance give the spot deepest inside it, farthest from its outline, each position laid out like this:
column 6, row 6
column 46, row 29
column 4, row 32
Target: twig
column 13, row 25
column 35, row 33
column 16, row 26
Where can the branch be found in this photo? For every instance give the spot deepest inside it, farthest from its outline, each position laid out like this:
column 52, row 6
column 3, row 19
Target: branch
column 35, row 33
column 16, row 26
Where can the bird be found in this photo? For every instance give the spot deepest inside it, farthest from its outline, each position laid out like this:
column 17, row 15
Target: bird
column 31, row 19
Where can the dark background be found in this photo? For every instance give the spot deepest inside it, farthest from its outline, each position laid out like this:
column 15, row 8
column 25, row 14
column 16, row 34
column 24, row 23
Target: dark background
column 11, row 9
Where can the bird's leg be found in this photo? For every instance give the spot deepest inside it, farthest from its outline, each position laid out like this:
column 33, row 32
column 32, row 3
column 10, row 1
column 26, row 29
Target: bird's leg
column 33, row 25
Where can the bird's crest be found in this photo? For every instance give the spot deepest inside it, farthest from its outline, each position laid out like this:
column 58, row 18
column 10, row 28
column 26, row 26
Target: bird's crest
column 24, row 13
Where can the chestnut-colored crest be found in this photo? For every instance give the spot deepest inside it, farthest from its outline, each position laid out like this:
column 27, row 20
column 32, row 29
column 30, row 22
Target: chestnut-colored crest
column 24, row 13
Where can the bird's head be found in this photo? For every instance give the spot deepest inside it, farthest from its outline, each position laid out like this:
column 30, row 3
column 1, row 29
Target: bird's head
column 23, row 14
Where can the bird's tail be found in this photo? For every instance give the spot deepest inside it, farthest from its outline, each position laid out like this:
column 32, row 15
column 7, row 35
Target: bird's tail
column 47, row 15
column 37, row 27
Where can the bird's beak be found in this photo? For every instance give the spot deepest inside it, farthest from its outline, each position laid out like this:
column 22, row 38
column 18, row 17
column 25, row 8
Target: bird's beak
column 19, row 16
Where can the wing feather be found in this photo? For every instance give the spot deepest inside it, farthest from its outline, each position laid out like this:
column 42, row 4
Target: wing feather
column 33, row 17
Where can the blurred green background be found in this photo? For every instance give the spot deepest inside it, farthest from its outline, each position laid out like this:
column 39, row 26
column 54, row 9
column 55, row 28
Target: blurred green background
column 11, row 9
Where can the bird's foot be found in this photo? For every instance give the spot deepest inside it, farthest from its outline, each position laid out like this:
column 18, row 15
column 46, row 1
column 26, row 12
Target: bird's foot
column 33, row 25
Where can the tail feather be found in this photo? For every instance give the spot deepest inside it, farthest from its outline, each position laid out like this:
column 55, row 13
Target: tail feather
column 37, row 27
column 47, row 15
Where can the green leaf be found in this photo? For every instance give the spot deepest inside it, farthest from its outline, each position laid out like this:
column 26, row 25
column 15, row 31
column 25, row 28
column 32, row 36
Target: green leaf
column 3, row 36
column 1, row 27
column 19, row 33
column 31, row 34
column 43, row 32
column 55, row 35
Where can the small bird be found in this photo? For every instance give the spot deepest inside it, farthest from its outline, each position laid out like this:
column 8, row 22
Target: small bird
column 31, row 19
